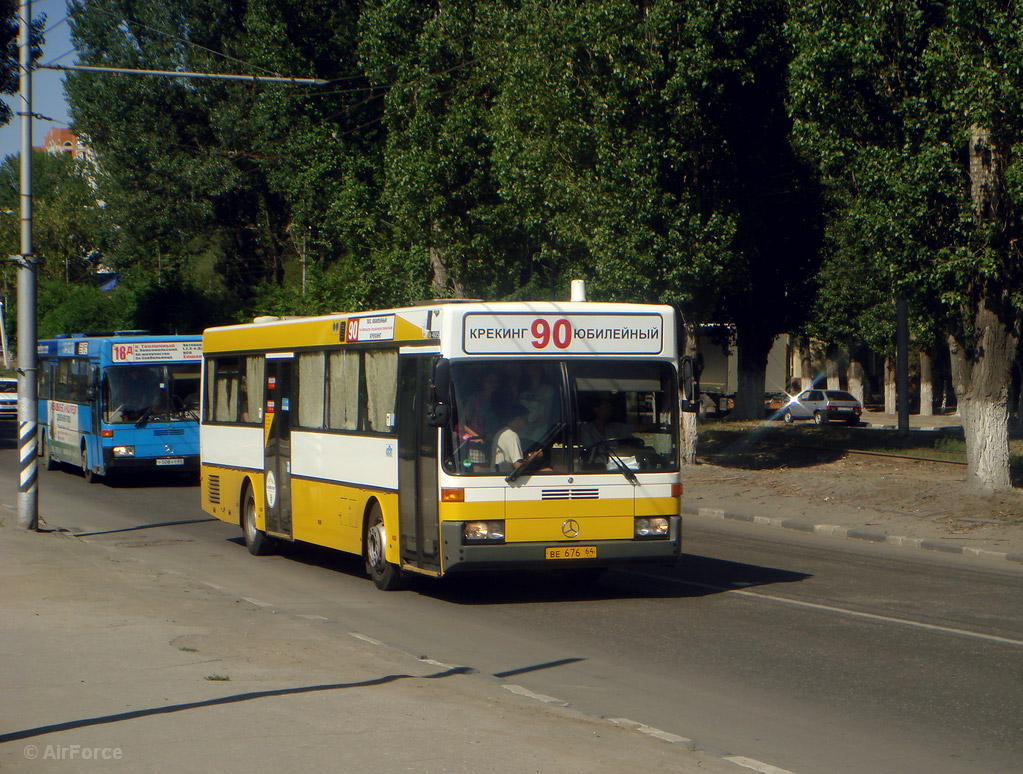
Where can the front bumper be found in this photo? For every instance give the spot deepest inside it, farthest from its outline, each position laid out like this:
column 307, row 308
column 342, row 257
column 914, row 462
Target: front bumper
column 502, row 556
column 188, row 463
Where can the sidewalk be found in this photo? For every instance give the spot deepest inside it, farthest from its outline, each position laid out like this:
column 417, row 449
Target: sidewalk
column 945, row 422
column 911, row 504
column 109, row 667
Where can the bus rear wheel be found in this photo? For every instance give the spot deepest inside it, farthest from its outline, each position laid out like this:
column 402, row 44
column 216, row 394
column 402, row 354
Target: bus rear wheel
column 385, row 575
column 256, row 540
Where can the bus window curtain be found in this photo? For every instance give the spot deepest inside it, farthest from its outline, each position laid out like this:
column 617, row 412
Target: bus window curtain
column 381, row 388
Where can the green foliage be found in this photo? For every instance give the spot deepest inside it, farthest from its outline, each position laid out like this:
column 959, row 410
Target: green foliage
column 64, row 214
column 10, row 56
column 64, row 308
column 884, row 97
column 489, row 149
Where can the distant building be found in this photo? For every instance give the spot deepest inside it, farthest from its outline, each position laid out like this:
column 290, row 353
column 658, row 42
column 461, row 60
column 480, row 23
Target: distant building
column 65, row 141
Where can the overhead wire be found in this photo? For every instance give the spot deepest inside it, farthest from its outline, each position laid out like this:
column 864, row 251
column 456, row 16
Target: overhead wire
column 378, row 90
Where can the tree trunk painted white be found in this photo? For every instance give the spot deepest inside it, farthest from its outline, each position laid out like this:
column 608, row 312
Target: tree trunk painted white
column 981, row 379
column 805, row 365
column 986, row 426
column 889, row 385
column 981, row 364
column 926, row 385
column 795, row 367
column 856, row 380
column 690, row 431
column 832, row 369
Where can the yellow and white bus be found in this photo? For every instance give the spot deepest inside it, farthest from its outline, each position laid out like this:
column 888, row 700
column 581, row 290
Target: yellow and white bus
column 450, row 437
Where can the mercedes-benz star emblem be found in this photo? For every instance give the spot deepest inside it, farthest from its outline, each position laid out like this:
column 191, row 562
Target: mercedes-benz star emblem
column 570, row 528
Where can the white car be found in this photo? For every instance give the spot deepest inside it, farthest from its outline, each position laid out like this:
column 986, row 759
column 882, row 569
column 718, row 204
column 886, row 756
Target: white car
column 822, row 406
column 8, row 398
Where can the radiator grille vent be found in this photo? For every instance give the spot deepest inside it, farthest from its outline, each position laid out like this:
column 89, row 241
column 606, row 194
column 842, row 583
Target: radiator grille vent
column 214, row 489
column 178, row 431
column 576, row 493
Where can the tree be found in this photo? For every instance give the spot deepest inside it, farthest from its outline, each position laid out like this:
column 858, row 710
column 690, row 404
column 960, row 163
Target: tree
column 64, row 214
column 913, row 114
column 10, row 68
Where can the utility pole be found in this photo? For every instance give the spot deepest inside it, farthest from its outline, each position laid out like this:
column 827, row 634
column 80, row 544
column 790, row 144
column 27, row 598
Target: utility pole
column 28, row 482
column 28, row 485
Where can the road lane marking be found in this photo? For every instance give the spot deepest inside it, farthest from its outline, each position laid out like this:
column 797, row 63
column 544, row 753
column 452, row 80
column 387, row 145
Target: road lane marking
column 656, row 733
column 364, row 638
column 518, row 690
column 840, row 610
column 755, row 765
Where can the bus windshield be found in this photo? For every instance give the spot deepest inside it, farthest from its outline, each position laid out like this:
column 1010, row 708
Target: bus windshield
column 150, row 393
column 575, row 415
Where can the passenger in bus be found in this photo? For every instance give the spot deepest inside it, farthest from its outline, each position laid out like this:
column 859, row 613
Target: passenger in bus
column 507, row 452
column 537, row 396
column 479, row 417
column 603, row 428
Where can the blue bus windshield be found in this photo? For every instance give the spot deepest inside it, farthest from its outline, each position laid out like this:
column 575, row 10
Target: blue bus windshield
column 137, row 394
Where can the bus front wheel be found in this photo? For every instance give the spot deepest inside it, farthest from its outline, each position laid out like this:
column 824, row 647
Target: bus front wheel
column 51, row 463
column 385, row 575
column 256, row 540
column 90, row 476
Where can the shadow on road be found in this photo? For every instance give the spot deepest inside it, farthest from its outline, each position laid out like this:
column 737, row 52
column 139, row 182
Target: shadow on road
column 99, row 720
column 694, row 576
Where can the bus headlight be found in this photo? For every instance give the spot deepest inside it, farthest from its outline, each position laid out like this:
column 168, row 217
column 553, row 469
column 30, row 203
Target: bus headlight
column 651, row 527
column 124, row 451
column 483, row 532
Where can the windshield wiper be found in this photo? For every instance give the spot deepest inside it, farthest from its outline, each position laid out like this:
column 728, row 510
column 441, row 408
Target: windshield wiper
column 624, row 469
column 534, row 455
column 144, row 418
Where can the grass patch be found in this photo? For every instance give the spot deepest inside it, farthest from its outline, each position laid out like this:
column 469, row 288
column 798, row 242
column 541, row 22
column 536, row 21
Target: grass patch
column 187, row 649
column 774, row 444
column 218, row 678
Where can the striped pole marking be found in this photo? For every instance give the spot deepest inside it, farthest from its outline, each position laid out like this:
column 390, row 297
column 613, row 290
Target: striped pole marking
column 27, row 448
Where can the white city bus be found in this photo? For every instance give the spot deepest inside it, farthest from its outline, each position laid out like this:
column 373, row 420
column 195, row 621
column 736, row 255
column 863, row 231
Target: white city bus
column 458, row 436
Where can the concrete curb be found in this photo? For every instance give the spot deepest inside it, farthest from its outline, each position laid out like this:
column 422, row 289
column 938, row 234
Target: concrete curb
column 855, row 534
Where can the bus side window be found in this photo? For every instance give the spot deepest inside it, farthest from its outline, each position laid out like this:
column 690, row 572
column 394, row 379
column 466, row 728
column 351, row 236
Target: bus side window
column 381, row 369
column 252, row 394
column 311, row 390
column 209, row 379
column 226, row 384
column 62, row 389
column 343, row 401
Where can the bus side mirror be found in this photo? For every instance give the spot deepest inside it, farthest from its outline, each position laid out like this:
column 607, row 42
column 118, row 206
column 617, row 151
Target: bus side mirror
column 437, row 410
column 689, row 383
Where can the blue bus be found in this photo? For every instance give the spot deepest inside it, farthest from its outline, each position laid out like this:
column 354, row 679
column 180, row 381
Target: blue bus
column 119, row 402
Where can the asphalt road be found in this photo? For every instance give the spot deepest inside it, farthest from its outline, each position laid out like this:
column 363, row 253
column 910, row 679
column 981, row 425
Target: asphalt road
column 808, row 654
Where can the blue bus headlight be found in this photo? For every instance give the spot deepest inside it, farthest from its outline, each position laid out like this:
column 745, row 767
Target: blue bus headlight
column 124, row 451
column 483, row 531
column 651, row 527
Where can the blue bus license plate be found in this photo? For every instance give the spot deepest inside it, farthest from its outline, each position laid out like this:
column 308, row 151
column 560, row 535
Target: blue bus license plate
column 171, row 461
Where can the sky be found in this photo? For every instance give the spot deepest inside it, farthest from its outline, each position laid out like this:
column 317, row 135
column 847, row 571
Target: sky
column 47, row 85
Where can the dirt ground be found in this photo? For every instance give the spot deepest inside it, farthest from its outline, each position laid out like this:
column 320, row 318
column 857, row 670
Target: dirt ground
column 916, row 499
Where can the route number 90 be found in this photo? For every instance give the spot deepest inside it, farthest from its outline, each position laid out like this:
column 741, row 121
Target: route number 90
column 544, row 334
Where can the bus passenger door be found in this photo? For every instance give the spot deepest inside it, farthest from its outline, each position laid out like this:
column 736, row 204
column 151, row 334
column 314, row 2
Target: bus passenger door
column 277, row 445
column 417, row 467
